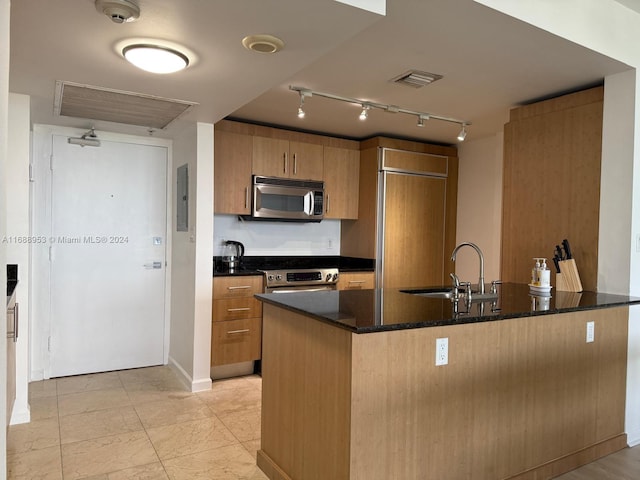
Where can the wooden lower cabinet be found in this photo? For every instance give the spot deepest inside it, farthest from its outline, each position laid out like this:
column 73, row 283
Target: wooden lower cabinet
column 236, row 330
column 356, row 281
column 524, row 398
column 235, row 341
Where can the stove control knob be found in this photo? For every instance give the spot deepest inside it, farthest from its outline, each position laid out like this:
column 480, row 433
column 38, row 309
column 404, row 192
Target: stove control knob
column 270, row 278
column 278, row 277
column 335, row 277
column 328, row 279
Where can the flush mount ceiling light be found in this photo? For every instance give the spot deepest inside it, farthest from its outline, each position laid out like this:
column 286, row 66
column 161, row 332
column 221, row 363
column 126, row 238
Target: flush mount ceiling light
column 155, row 58
column 263, row 43
column 366, row 106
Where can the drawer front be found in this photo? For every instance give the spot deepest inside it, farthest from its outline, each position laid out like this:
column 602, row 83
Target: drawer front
column 236, row 341
column 232, row 287
column 236, row 308
column 356, row 281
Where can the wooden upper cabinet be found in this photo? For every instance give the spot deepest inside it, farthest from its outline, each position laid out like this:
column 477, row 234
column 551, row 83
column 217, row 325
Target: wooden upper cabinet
column 232, row 173
column 341, row 180
column 273, row 157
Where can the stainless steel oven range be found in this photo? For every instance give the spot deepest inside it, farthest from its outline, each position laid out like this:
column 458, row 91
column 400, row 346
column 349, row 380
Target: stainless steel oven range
column 297, row 280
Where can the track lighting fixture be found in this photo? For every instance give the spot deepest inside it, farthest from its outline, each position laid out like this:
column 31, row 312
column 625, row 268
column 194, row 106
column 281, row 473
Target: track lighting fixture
column 463, row 133
column 303, row 93
column 365, row 112
column 366, row 106
column 421, row 119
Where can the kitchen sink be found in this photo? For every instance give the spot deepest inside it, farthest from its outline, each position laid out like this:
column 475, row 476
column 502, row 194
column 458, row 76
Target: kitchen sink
column 447, row 293
column 432, row 292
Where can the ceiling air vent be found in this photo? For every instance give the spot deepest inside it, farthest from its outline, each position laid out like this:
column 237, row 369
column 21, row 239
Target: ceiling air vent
column 97, row 103
column 416, row 78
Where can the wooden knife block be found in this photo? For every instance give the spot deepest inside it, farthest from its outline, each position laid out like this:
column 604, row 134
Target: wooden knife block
column 568, row 280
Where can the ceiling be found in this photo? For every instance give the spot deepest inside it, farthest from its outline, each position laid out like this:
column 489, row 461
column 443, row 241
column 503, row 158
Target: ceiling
column 489, row 62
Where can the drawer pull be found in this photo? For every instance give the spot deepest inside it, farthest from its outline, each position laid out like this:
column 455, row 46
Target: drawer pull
column 357, row 281
column 239, row 309
column 239, row 287
column 235, row 332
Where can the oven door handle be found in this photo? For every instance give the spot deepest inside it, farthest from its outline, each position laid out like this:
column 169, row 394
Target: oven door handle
column 309, row 289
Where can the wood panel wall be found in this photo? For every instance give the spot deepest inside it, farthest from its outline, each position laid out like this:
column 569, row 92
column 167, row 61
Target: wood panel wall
column 551, row 184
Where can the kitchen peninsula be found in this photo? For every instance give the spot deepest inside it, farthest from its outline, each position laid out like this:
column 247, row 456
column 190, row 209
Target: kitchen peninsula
column 351, row 389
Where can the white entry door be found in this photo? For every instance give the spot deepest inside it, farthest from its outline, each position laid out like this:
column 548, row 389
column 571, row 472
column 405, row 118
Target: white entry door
column 108, row 231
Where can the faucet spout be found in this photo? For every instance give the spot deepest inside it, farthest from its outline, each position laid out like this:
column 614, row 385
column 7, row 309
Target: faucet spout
column 480, row 256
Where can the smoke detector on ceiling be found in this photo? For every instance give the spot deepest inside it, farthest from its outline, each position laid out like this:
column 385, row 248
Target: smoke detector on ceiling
column 119, row 11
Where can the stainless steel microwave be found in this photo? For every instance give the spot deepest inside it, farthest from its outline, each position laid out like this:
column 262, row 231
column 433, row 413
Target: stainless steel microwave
column 287, row 199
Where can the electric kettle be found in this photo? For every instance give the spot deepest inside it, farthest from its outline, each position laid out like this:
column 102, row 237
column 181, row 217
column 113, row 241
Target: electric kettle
column 232, row 253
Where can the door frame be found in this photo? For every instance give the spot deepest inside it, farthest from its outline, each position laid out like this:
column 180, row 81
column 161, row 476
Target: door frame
column 40, row 211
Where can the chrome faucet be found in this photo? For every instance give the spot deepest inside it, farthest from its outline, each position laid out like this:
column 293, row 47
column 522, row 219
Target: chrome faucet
column 477, row 249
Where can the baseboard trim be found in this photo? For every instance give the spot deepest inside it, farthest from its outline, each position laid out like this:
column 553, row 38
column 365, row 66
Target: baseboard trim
column 269, row 467
column 574, row 460
column 199, row 385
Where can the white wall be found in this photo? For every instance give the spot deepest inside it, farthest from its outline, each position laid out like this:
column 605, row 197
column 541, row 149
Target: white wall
column 479, row 218
column 4, row 109
column 278, row 238
column 192, row 261
column 18, row 227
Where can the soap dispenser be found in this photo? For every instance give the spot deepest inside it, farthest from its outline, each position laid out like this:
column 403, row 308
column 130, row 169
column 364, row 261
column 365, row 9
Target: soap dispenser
column 535, row 273
column 545, row 274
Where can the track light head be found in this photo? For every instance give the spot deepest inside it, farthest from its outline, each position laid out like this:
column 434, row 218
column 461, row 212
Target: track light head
column 463, row 133
column 421, row 119
column 303, row 93
column 365, row 112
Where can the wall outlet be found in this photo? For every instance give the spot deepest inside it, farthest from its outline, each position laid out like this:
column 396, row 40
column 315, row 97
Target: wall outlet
column 442, row 351
column 591, row 332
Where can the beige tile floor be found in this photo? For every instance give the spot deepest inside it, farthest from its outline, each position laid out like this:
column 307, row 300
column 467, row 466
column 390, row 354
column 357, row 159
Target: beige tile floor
column 142, row 425
column 138, row 424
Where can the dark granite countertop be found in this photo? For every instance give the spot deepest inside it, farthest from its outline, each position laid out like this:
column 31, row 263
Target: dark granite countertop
column 254, row 264
column 367, row 311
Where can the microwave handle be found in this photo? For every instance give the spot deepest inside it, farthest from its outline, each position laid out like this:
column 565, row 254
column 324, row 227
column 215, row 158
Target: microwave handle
column 308, row 203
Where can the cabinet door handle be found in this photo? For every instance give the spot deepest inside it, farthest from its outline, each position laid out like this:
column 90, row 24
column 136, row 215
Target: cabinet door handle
column 239, row 309
column 284, row 167
column 295, row 163
column 327, row 209
column 235, row 332
column 246, row 197
column 239, row 287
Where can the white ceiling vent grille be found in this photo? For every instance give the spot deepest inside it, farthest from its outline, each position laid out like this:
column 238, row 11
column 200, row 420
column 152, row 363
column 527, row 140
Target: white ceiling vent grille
column 416, row 79
column 97, row 103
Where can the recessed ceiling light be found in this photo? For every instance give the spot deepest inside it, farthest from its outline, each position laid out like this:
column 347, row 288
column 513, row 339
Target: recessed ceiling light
column 155, row 58
column 263, row 43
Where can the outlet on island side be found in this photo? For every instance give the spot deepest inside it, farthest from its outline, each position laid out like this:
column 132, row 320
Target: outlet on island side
column 442, row 351
column 591, row 332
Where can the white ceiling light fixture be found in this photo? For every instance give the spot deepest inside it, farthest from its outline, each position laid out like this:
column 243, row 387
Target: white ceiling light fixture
column 366, row 106
column 155, row 58
column 365, row 112
column 421, row 119
column 463, row 133
column 303, row 94
column 263, row 43
column 119, row 11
